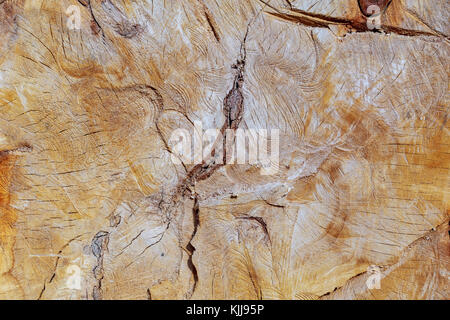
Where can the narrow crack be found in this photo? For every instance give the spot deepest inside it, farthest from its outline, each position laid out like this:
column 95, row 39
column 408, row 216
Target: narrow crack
column 337, row 288
column 160, row 105
column 56, row 265
column 211, row 25
column 42, row 292
column 233, row 109
column 289, row 3
column 130, row 243
column 120, row 23
column 98, row 245
column 161, row 236
column 59, row 256
column 421, row 21
column 95, row 26
column 20, row 149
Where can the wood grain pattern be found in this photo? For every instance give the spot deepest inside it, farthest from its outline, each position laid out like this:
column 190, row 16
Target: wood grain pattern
column 92, row 206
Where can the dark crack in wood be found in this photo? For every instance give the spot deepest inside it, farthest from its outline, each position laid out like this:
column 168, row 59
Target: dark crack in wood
column 98, row 246
column 190, row 248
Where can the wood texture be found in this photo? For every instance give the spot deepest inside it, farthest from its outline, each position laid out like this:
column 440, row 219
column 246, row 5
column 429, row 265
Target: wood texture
column 88, row 188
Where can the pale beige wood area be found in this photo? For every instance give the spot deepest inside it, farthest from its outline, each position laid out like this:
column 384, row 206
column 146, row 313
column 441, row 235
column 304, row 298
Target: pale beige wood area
column 88, row 187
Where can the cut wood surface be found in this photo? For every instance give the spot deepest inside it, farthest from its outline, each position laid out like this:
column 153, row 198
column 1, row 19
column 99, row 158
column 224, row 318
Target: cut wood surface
column 93, row 205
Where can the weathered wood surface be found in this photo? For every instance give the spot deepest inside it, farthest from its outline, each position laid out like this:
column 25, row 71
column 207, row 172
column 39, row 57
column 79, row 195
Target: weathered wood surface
column 86, row 178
